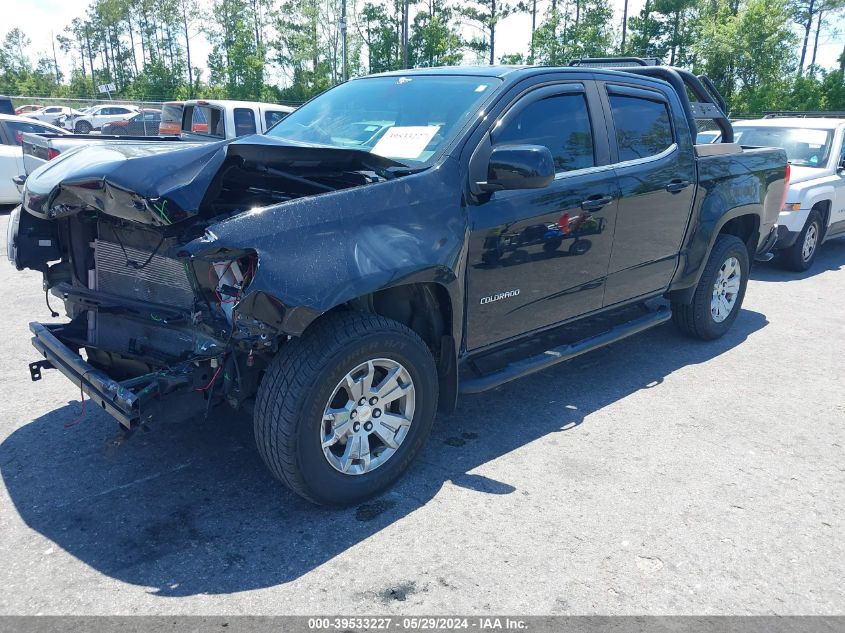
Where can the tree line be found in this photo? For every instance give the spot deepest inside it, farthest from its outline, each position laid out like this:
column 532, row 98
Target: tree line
column 761, row 54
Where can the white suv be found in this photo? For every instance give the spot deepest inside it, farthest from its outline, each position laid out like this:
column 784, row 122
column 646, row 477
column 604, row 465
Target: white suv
column 96, row 117
column 815, row 203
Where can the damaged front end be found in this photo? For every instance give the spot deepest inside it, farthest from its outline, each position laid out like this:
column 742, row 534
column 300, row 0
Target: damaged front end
column 163, row 319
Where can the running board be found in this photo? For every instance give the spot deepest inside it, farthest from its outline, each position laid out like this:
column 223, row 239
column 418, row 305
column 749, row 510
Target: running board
column 556, row 355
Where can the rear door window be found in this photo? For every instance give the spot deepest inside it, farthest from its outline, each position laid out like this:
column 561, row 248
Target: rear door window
column 643, row 126
column 244, row 121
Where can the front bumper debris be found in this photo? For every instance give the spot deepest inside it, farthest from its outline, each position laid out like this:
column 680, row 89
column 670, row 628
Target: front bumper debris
column 117, row 400
column 131, row 402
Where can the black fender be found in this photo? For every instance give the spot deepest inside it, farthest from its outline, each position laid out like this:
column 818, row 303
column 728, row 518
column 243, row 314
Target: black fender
column 320, row 252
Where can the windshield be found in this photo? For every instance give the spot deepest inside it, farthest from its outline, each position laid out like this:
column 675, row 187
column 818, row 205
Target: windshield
column 404, row 118
column 804, row 147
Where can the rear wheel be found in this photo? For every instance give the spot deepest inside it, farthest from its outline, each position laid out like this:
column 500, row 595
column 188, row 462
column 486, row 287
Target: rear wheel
column 82, row 127
column 342, row 411
column 580, row 246
column 801, row 255
column 719, row 294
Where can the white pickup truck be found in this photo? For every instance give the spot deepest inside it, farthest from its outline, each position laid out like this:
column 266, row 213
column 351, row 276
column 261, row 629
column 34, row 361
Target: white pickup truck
column 213, row 119
column 815, row 203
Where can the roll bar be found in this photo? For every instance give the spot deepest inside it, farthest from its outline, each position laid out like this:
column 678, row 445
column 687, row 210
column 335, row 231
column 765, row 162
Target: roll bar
column 709, row 106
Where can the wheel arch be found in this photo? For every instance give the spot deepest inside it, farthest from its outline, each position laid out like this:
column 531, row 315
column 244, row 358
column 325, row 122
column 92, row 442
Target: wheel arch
column 746, row 227
column 823, row 207
column 427, row 308
column 742, row 221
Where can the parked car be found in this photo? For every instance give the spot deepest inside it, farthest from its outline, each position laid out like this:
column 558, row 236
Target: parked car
column 25, row 109
column 145, row 122
column 229, row 119
column 66, row 120
column 171, row 118
column 232, row 118
column 12, row 129
column 340, row 286
column 50, row 114
column 6, row 105
column 97, row 116
column 815, row 204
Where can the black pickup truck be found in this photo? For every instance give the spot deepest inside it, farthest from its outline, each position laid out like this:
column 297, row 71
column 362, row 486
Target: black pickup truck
column 399, row 240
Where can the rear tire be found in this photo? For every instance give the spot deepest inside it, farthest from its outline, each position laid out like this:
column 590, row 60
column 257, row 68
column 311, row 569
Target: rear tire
column 580, row 246
column 719, row 294
column 801, row 255
column 304, row 447
column 83, row 127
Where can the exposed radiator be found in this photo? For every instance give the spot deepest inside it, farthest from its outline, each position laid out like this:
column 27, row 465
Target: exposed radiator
column 162, row 280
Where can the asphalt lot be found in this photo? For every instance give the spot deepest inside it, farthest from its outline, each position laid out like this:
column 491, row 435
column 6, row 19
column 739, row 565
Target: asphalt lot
column 657, row 476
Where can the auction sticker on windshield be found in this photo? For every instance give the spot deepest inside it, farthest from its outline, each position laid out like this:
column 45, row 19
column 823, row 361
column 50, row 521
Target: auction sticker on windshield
column 405, row 141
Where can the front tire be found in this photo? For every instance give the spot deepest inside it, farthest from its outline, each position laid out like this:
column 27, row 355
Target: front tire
column 801, row 255
column 719, row 294
column 342, row 411
column 83, row 127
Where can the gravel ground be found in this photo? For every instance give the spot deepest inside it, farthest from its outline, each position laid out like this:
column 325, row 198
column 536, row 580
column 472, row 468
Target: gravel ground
column 657, row 476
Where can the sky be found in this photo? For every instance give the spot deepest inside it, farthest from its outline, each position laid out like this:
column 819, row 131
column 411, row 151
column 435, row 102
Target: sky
column 42, row 19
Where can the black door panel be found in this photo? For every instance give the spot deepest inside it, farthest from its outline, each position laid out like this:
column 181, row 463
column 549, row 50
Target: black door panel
column 538, row 257
column 655, row 167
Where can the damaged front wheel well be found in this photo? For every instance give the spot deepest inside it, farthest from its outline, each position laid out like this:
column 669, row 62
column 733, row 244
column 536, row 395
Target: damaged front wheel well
column 427, row 309
column 423, row 307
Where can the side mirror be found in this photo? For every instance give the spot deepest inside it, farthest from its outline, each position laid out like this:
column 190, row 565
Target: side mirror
column 842, row 163
column 519, row 167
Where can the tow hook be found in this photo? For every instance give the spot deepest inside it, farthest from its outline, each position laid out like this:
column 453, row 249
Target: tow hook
column 36, row 367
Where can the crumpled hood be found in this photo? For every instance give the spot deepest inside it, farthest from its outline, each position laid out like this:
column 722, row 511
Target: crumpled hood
column 126, row 180
column 161, row 182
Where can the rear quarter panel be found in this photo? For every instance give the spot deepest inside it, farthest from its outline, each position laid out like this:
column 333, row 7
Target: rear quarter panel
column 730, row 185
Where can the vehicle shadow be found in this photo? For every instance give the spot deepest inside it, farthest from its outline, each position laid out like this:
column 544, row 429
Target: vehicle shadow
column 189, row 508
column 831, row 257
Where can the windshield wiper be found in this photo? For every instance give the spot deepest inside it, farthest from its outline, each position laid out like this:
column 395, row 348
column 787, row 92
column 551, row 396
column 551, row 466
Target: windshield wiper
column 404, row 170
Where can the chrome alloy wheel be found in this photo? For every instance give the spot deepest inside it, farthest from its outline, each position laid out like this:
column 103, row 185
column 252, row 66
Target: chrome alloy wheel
column 725, row 290
column 811, row 239
column 367, row 416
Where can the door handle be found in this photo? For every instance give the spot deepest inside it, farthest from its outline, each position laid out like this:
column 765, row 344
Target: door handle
column 677, row 185
column 596, row 202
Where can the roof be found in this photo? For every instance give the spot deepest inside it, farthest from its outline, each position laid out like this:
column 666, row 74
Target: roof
column 808, row 122
column 231, row 103
column 492, row 71
column 511, row 73
column 470, row 71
